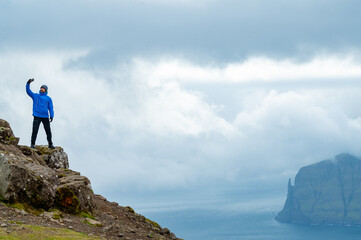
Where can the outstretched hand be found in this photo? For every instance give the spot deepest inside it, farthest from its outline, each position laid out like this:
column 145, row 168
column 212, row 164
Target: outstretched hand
column 30, row 80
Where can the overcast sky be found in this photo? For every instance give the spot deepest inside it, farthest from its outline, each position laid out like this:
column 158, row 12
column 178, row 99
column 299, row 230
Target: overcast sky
column 156, row 96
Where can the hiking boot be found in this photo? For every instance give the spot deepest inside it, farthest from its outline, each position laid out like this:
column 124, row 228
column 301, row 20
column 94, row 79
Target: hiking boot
column 32, row 146
column 51, row 146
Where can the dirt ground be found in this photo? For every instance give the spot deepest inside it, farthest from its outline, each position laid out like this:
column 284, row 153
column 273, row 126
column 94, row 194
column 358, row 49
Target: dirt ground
column 109, row 221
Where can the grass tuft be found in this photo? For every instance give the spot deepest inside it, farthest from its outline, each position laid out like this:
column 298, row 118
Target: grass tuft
column 44, row 233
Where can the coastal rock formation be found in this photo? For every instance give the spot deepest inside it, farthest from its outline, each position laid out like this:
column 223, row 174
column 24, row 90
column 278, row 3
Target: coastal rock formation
column 37, row 187
column 328, row 192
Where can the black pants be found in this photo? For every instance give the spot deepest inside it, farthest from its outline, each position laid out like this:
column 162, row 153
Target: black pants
column 36, row 124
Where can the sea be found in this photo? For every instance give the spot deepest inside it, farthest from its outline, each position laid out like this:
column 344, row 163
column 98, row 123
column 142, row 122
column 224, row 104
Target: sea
column 244, row 213
column 198, row 224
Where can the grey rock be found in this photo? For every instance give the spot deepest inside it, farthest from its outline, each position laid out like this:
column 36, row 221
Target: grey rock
column 58, row 159
column 94, row 222
column 6, row 134
column 54, row 158
column 78, row 185
column 166, row 231
column 172, row 235
column 21, row 211
column 328, row 192
column 25, row 181
column 107, row 228
column 48, row 215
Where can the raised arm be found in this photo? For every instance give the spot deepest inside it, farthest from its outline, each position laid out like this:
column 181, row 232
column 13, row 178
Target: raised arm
column 28, row 91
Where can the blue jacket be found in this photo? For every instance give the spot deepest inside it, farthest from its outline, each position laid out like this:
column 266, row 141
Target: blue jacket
column 42, row 103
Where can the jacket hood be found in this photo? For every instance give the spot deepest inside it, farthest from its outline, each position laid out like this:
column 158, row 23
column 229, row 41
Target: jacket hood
column 45, row 87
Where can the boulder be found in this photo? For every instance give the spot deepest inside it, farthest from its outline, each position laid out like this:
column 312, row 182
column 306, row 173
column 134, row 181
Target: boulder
column 74, row 192
column 22, row 180
column 54, row 158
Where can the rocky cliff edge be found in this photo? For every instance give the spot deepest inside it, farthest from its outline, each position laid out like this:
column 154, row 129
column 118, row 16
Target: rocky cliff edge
column 328, row 192
column 38, row 188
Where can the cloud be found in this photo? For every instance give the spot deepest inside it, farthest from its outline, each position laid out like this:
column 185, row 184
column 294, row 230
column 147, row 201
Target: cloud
column 138, row 130
column 143, row 125
column 258, row 69
column 224, row 31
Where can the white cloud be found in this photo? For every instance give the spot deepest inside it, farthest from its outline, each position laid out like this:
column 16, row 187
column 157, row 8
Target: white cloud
column 258, row 69
column 142, row 126
column 93, row 114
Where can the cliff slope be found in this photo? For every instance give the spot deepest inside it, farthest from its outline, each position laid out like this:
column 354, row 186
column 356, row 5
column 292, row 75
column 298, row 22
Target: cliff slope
column 328, row 192
column 37, row 190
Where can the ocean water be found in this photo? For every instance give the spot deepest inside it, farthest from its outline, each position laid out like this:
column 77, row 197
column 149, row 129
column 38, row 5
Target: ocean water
column 230, row 213
column 198, row 224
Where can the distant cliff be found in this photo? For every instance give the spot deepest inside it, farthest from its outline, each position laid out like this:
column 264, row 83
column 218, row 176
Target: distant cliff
column 37, row 188
column 328, row 192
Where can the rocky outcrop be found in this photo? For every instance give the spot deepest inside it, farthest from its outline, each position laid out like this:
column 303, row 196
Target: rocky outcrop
column 40, row 177
column 38, row 180
column 328, row 192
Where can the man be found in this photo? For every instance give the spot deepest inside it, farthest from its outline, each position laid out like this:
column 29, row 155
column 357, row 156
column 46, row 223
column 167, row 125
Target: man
column 42, row 106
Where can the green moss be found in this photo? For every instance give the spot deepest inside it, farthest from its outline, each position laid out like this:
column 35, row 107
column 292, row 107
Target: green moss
column 56, row 214
column 154, row 224
column 61, row 175
column 17, row 205
column 66, row 200
column 93, row 225
column 25, row 207
column 130, row 209
column 16, row 222
column 43, row 150
column 86, row 215
column 44, row 233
